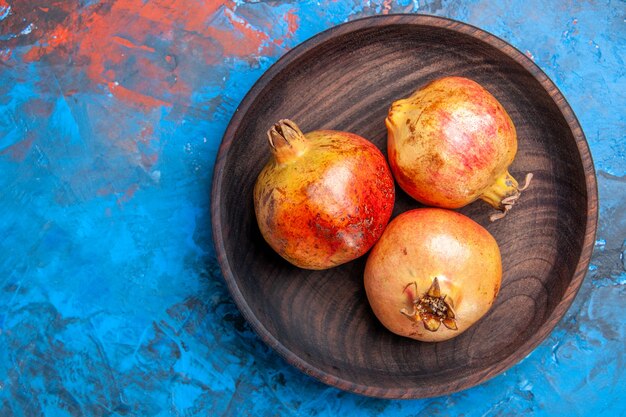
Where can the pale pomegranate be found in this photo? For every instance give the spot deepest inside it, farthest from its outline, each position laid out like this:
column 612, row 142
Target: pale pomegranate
column 433, row 274
column 451, row 142
column 324, row 198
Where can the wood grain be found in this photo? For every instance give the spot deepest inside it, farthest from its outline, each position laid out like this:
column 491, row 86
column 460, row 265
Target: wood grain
column 345, row 79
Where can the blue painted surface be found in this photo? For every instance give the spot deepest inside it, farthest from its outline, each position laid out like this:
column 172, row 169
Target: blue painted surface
column 111, row 113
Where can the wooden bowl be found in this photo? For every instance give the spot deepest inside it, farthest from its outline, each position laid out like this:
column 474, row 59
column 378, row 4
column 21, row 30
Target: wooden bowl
column 345, row 79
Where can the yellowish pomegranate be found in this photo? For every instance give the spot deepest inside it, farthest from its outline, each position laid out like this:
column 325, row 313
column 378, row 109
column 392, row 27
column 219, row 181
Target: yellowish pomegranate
column 432, row 274
column 324, row 198
column 451, row 143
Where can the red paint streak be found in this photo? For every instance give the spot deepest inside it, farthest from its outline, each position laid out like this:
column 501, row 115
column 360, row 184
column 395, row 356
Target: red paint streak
column 292, row 22
column 165, row 17
column 34, row 54
column 194, row 15
column 143, row 101
column 38, row 108
column 128, row 195
column 5, row 55
column 148, row 147
column 129, row 44
column 149, row 160
column 241, row 40
column 146, row 134
column 60, row 35
column 150, row 48
column 19, row 150
column 104, row 191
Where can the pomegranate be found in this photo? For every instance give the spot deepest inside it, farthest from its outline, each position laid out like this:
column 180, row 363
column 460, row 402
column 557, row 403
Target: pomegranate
column 432, row 274
column 451, row 143
column 324, row 198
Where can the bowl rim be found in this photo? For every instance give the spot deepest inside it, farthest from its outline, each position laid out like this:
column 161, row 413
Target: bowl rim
column 484, row 374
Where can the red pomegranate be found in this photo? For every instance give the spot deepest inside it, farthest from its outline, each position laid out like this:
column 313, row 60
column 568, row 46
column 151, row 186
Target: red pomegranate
column 324, row 198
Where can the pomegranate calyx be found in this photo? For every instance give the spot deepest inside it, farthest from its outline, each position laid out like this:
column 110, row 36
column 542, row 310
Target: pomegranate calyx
column 503, row 194
column 432, row 309
column 287, row 141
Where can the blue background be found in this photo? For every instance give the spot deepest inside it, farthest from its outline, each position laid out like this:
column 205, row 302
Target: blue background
column 111, row 301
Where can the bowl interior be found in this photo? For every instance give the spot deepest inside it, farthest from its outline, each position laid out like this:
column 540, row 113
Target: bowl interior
column 320, row 320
